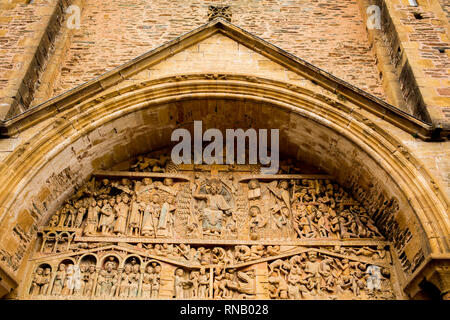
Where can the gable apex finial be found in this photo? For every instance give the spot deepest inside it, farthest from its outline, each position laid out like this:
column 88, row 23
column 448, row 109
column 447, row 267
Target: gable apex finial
column 219, row 12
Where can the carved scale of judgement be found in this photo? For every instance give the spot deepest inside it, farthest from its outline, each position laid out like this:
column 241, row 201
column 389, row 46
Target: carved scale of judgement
column 157, row 230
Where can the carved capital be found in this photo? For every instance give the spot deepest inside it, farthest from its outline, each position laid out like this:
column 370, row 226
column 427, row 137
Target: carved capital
column 7, row 283
column 436, row 271
column 441, row 279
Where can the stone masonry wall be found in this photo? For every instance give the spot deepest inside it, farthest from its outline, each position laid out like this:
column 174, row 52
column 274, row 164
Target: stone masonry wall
column 328, row 34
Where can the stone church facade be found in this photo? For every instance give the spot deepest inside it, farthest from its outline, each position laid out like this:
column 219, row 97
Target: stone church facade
column 93, row 207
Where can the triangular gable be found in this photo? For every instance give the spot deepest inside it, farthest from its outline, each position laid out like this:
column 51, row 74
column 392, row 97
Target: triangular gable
column 266, row 58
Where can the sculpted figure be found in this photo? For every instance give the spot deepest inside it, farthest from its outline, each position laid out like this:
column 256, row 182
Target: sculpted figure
column 134, row 225
column 180, row 284
column 63, row 214
column 89, row 278
column 279, row 289
column 151, row 214
column 257, row 222
column 323, row 225
column 194, row 277
column 72, row 280
column 281, row 193
column 107, row 216
column 273, row 250
column 312, row 270
column 166, row 219
column 107, row 280
column 54, row 220
column 80, row 215
column 134, row 279
column 37, row 282
column 121, row 210
column 156, row 281
column 147, row 282
column 293, row 282
column 203, row 284
column 73, row 209
column 143, row 189
column 374, row 279
column 220, row 282
column 242, row 253
column 104, row 190
column 216, row 207
column 78, row 283
column 47, row 277
column 125, row 281
column 60, row 277
column 254, row 189
column 92, row 218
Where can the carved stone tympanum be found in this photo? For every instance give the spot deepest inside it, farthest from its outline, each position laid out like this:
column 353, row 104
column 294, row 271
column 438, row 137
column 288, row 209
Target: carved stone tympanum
column 163, row 231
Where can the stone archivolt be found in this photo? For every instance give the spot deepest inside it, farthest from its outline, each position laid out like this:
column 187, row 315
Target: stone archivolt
column 210, row 232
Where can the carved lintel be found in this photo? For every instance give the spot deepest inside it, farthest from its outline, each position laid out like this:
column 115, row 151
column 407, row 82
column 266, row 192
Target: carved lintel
column 138, row 175
column 286, row 176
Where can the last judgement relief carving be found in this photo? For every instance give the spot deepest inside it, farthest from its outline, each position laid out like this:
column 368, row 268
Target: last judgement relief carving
column 156, row 230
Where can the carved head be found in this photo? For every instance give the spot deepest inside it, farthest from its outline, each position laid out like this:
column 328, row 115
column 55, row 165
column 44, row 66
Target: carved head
column 119, row 199
column 312, row 256
column 253, row 184
column 214, row 186
column 105, row 182
column 149, row 269
column 39, row 271
column 157, row 268
column 168, row 182
column 91, row 268
column 112, row 201
column 62, row 267
column 155, row 198
column 254, row 211
column 126, row 199
column 179, row 272
column 128, row 268
column 284, row 184
column 147, row 181
column 202, row 270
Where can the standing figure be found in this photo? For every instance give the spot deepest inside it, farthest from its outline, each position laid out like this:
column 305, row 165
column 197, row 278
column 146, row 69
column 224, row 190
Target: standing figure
column 125, row 282
column 60, row 277
column 107, row 216
column 203, row 284
column 92, row 218
column 134, row 224
column 147, row 282
column 179, row 284
column 134, row 279
column 37, row 282
column 166, row 220
column 151, row 213
column 121, row 210
column 194, row 277
column 80, row 216
column 47, row 277
column 89, row 278
column 156, row 281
